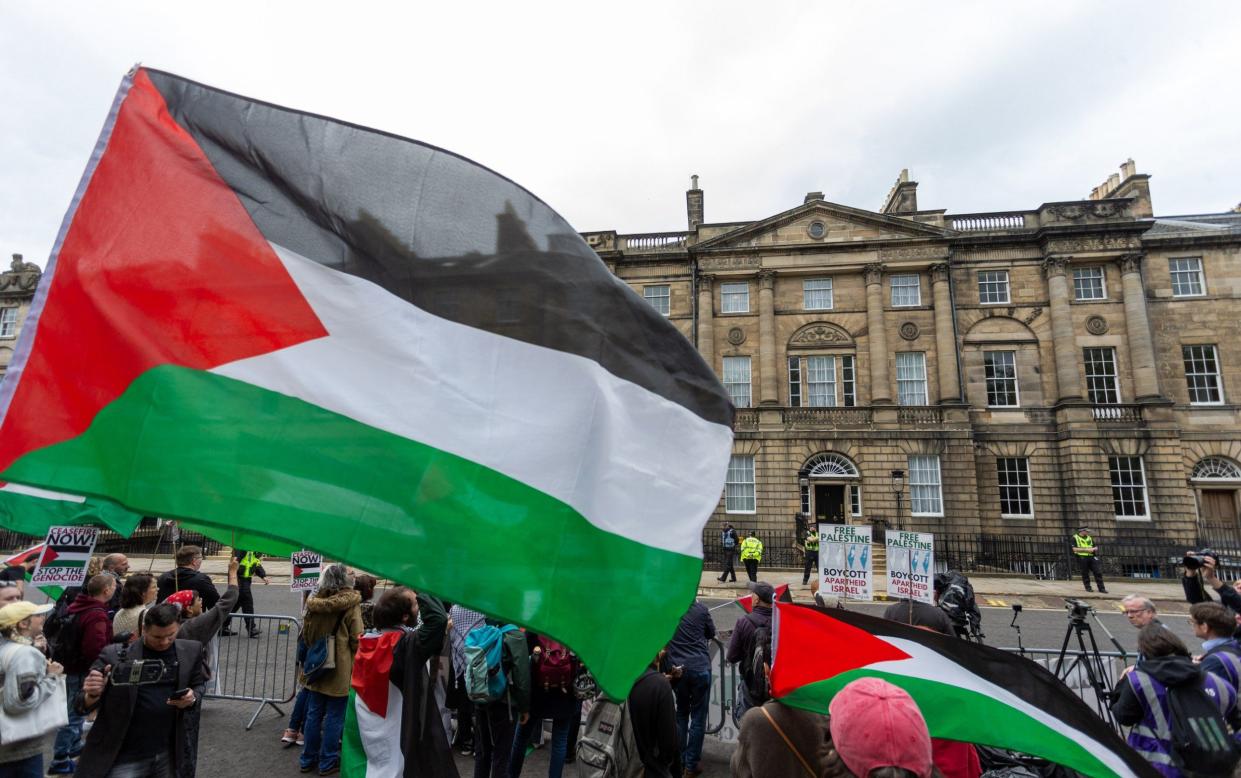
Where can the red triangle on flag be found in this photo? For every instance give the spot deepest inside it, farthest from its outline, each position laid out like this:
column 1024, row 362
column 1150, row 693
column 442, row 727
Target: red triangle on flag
column 813, row 646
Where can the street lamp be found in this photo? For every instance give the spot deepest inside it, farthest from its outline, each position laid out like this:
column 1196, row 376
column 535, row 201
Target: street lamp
column 898, row 490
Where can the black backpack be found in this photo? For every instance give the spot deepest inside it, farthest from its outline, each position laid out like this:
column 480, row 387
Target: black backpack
column 1201, row 744
column 752, row 671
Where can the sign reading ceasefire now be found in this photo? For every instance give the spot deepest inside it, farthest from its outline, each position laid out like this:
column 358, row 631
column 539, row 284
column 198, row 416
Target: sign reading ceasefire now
column 65, row 554
column 911, row 566
column 845, row 561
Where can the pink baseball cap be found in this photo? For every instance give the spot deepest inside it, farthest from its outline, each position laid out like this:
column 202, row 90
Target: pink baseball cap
column 875, row 724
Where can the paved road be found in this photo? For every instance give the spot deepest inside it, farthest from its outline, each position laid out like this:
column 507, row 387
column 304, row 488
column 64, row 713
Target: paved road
column 227, row 748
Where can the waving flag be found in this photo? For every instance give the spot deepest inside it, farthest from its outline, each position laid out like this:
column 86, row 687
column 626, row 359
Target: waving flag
column 966, row 691
column 331, row 336
column 31, row 511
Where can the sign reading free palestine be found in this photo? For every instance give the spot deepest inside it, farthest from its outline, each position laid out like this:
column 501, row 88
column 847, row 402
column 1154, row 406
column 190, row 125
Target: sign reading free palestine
column 306, row 567
column 66, row 552
column 911, row 565
column 845, row 564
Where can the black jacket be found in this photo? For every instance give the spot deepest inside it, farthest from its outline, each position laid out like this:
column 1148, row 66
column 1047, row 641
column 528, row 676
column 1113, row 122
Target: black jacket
column 183, row 578
column 653, row 711
column 423, row 739
column 116, row 708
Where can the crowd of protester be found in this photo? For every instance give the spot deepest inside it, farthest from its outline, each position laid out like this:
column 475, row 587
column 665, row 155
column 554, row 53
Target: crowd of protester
column 67, row 663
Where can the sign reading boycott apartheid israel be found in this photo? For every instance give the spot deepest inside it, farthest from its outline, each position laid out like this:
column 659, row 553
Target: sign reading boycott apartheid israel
column 65, row 554
column 306, row 567
column 911, row 565
column 845, row 561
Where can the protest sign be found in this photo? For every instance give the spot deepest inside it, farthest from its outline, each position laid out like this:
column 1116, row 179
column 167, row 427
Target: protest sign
column 65, row 554
column 911, row 565
column 306, row 566
column 845, row 561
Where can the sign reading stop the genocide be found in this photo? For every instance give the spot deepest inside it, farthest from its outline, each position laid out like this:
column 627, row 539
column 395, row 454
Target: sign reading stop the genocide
column 65, row 554
column 845, row 561
column 911, row 565
column 306, row 566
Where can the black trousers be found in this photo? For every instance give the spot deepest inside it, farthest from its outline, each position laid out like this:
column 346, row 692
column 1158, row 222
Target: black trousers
column 751, row 568
column 1090, row 564
column 730, row 559
column 245, row 603
column 494, row 729
column 812, row 563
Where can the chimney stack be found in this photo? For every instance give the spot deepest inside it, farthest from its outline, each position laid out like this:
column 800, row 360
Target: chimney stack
column 694, row 206
column 903, row 196
column 1128, row 183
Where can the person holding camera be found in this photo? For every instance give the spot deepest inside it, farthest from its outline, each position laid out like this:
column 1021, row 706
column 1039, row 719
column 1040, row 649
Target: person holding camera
column 145, row 694
column 1201, row 576
column 1087, row 554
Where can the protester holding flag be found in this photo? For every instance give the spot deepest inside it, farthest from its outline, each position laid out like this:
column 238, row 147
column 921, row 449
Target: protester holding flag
column 332, row 612
column 202, row 624
column 393, row 726
column 22, row 569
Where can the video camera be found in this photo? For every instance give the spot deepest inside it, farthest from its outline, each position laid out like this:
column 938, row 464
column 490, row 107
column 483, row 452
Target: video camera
column 1078, row 609
column 141, row 672
column 1193, row 559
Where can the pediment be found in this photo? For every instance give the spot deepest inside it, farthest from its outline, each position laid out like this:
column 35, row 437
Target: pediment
column 820, row 334
column 841, row 224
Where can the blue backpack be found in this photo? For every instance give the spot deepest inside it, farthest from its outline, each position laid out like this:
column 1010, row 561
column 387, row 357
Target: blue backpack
column 485, row 681
column 319, row 658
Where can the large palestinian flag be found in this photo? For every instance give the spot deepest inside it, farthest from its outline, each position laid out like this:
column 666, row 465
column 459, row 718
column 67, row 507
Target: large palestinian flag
column 259, row 318
column 966, row 691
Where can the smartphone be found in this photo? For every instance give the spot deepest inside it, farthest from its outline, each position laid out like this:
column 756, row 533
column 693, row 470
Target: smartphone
column 178, row 694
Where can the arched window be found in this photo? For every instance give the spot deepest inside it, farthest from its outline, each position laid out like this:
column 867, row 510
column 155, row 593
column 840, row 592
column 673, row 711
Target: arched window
column 831, row 466
column 1216, row 469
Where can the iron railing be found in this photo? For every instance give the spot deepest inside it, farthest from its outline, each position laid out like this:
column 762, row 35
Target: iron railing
column 1128, row 554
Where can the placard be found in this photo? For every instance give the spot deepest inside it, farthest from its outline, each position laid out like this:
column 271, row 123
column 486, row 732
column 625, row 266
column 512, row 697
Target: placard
column 845, row 561
column 911, row 565
column 66, row 551
column 306, row 567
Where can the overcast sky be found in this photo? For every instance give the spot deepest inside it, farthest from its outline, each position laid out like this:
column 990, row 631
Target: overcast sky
column 605, row 109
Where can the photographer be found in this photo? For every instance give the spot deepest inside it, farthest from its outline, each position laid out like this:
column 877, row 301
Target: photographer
column 145, row 694
column 1201, row 576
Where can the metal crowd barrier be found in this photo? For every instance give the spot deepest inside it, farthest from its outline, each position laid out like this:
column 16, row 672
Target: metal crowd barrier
column 262, row 669
column 723, row 690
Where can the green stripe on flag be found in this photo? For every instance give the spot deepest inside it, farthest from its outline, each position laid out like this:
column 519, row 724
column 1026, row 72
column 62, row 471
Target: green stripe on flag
column 352, row 754
column 954, row 713
column 181, row 442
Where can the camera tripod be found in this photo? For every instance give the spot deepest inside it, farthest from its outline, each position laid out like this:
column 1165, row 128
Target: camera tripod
column 1087, row 658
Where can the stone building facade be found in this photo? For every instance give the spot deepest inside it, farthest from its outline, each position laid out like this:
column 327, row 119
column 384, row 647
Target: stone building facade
column 1009, row 373
column 17, row 288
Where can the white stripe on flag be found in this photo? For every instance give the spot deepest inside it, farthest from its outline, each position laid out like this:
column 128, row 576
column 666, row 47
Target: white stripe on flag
column 932, row 666
column 42, row 494
column 631, row 462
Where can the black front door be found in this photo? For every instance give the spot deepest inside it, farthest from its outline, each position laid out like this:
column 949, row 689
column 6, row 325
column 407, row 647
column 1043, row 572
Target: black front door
column 829, row 503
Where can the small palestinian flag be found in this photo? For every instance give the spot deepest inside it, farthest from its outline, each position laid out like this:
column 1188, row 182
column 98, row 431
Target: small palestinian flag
column 966, row 691
column 24, row 556
column 782, row 594
column 267, row 320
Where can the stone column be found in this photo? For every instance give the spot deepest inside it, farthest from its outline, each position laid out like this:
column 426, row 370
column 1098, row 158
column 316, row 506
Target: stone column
column 1064, row 343
column 946, row 353
column 706, row 319
column 877, row 336
column 1141, row 347
column 769, row 386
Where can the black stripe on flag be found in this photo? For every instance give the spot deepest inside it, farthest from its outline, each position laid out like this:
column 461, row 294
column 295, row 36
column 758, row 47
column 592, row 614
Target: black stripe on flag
column 444, row 233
